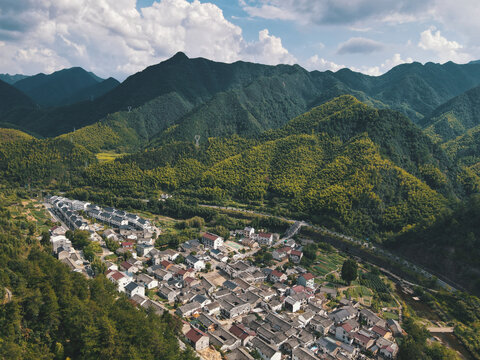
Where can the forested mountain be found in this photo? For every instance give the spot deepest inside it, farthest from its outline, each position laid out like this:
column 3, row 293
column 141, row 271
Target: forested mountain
column 326, row 165
column 25, row 160
column 455, row 117
column 12, row 79
column 58, row 88
column 450, row 245
column 11, row 98
column 92, row 92
column 181, row 97
column 415, row 89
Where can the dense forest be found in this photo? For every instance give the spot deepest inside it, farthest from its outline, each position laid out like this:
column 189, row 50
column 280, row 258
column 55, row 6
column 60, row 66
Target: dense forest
column 54, row 313
column 456, row 247
column 28, row 161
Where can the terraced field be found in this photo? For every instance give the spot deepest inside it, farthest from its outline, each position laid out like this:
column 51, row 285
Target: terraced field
column 326, row 263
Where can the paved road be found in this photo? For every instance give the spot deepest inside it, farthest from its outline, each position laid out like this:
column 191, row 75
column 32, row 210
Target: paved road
column 8, row 296
column 435, row 329
column 370, row 246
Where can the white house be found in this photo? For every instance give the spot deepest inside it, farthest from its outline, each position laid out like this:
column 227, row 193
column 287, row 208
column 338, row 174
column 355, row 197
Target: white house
column 121, row 280
column 147, row 281
column 133, row 289
column 211, row 240
column 292, row 304
column 248, row 231
column 195, row 263
column 306, row 280
column 265, row 238
column 60, row 241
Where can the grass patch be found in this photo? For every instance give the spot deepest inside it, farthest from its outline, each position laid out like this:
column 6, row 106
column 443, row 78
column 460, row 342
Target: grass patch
column 108, row 156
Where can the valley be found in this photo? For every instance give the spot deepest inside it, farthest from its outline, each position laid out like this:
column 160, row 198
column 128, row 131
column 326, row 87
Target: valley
column 332, row 167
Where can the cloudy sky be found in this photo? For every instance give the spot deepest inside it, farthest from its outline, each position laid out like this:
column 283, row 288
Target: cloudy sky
column 120, row 37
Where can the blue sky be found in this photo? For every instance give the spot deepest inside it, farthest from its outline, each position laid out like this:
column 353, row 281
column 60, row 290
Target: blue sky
column 119, row 37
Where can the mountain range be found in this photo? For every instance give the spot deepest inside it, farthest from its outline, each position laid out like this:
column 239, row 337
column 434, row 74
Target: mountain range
column 181, row 97
column 380, row 157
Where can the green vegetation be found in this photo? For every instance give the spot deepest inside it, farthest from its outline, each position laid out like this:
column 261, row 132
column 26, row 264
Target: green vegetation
column 349, row 184
column 415, row 345
column 456, row 247
column 31, row 161
column 56, row 313
column 455, row 117
column 349, row 270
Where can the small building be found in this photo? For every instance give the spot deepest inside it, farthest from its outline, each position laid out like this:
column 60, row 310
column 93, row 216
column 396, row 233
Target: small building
column 147, row 281
column 306, row 280
column 265, row 239
column 266, row 351
column 133, row 289
column 248, row 231
column 296, row 256
column 195, row 262
column 212, row 241
column 277, row 276
column 188, row 309
column 292, row 304
column 198, row 339
column 168, row 293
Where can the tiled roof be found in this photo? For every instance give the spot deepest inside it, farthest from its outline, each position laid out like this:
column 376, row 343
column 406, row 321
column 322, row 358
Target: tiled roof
column 194, row 335
column 308, row 276
column 210, row 236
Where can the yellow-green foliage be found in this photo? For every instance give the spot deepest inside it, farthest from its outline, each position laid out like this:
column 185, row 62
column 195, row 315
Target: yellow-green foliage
column 11, row 135
column 339, row 163
column 42, row 161
column 108, row 156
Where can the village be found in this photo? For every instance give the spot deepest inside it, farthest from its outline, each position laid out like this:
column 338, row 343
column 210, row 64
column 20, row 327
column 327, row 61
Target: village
column 246, row 297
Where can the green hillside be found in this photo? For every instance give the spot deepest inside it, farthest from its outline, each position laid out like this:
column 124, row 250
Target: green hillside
column 11, row 98
column 397, row 137
column 452, row 243
column 29, row 161
column 455, row 117
column 217, row 99
column 324, row 165
column 12, row 135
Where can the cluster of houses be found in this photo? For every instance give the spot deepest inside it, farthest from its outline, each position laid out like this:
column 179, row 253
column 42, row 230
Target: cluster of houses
column 252, row 239
column 68, row 211
column 230, row 303
column 254, row 309
column 66, row 253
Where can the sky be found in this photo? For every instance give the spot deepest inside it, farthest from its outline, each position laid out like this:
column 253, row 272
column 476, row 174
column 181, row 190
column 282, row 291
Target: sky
column 120, row 37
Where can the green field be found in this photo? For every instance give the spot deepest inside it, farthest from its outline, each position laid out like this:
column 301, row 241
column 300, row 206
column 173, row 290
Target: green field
column 326, row 262
column 108, row 156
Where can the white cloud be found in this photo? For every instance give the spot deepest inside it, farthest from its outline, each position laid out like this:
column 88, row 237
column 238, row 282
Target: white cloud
column 327, row 12
column 113, row 37
column 317, row 63
column 445, row 50
column 388, row 64
column 359, row 45
column 268, row 50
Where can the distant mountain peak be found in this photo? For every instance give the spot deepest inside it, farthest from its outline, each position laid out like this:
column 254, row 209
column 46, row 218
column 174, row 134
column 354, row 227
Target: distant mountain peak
column 179, row 56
